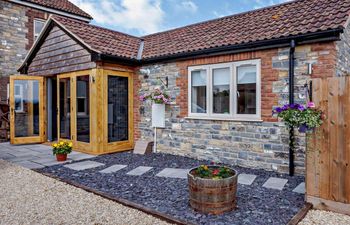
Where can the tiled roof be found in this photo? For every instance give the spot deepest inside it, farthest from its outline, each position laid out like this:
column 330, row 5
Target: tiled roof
column 62, row 5
column 284, row 20
column 102, row 40
column 293, row 18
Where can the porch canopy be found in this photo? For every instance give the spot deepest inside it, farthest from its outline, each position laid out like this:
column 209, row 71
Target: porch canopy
column 76, row 84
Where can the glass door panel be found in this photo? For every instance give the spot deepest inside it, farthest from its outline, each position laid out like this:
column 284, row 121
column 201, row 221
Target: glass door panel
column 27, row 109
column 64, row 108
column 83, row 108
column 118, row 109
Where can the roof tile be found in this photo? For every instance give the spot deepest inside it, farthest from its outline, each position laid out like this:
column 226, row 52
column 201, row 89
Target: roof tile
column 63, row 5
column 293, row 18
column 284, row 20
column 101, row 39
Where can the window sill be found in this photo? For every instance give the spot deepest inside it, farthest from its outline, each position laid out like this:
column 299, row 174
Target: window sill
column 223, row 119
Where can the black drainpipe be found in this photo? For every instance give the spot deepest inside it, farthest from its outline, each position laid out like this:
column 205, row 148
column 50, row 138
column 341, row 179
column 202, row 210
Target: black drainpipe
column 291, row 101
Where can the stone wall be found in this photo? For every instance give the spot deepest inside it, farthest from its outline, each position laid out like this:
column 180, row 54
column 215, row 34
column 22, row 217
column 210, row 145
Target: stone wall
column 251, row 144
column 12, row 41
column 343, row 48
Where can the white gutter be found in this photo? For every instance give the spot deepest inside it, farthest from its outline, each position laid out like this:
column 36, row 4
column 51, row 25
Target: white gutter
column 50, row 10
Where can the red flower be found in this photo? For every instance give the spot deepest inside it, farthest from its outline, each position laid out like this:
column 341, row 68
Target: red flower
column 216, row 172
column 212, row 163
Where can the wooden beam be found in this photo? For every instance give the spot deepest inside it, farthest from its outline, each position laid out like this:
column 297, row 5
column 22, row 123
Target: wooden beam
column 328, row 205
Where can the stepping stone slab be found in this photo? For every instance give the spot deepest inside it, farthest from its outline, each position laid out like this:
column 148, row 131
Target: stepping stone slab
column 300, row 189
column 139, row 170
column 84, row 165
column 76, row 156
column 246, row 179
column 113, row 169
column 275, row 183
column 173, row 173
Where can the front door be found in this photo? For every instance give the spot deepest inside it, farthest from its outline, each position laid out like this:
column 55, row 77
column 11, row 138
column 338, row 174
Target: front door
column 27, row 104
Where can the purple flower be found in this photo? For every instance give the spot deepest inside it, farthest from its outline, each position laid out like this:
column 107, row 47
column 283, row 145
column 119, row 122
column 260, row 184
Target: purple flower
column 301, row 108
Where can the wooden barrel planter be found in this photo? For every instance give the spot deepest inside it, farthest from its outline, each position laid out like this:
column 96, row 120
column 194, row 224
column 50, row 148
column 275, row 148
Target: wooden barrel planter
column 212, row 196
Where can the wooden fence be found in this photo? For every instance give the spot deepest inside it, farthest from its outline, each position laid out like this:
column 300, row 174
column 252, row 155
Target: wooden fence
column 328, row 149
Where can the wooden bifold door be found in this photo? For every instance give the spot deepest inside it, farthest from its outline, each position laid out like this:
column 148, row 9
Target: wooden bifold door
column 27, row 105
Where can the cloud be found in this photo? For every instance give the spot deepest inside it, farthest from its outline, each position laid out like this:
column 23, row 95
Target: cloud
column 189, row 6
column 144, row 16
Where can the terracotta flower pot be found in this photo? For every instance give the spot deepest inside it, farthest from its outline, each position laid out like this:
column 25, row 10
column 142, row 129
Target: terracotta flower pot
column 61, row 157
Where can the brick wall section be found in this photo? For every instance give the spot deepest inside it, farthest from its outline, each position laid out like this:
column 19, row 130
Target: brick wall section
column 251, row 144
column 33, row 14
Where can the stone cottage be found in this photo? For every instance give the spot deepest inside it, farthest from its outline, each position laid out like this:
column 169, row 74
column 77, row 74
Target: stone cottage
column 21, row 22
column 225, row 76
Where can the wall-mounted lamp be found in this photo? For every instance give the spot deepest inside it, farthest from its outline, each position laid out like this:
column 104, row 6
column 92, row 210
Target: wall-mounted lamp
column 145, row 73
column 92, row 79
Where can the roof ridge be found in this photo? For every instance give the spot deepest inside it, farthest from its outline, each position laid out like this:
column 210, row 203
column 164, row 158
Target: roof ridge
column 224, row 17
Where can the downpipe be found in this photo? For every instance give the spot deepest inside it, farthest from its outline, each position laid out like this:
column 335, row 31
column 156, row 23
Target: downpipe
column 291, row 101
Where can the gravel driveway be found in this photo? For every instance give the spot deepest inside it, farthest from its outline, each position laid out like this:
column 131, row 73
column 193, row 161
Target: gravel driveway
column 30, row 198
column 317, row 217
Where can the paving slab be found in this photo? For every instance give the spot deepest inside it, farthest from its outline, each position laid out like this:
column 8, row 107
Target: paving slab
column 84, row 165
column 139, row 170
column 22, row 158
column 113, row 169
column 275, row 183
column 76, row 156
column 173, row 173
column 29, row 165
column 49, row 161
column 300, row 189
column 5, row 156
column 246, row 179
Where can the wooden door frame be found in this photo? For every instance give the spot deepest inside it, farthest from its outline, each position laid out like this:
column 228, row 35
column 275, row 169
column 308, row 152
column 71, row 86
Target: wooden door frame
column 120, row 145
column 77, row 145
column 42, row 111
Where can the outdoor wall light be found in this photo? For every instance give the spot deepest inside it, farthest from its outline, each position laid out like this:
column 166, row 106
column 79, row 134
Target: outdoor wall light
column 145, row 73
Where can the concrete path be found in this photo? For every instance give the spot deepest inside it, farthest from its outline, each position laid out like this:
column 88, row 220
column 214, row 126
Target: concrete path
column 35, row 156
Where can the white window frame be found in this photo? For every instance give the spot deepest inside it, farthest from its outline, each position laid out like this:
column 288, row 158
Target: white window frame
column 36, row 35
column 233, row 91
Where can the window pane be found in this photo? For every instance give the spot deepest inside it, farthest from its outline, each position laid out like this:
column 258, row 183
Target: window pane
column 65, row 108
column 221, row 90
column 83, row 119
column 199, row 91
column 118, row 109
column 39, row 25
column 27, row 116
column 246, row 90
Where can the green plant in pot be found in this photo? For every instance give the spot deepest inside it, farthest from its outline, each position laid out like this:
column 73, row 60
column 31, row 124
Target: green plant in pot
column 62, row 149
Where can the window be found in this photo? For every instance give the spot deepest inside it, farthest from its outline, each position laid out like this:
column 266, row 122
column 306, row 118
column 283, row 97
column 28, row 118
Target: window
column 225, row 91
column 82, row 104
column 18, row 94
column 38, row 26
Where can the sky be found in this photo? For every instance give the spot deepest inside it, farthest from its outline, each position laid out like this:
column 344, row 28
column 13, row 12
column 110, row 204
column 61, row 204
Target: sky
column 142, row 17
